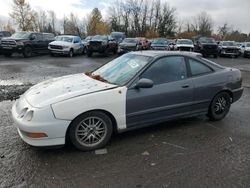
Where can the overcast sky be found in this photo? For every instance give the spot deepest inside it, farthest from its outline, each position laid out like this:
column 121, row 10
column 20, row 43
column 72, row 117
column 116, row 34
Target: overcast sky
column 234, row 12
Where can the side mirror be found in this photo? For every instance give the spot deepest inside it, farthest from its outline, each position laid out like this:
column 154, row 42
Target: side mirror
column 144, row 83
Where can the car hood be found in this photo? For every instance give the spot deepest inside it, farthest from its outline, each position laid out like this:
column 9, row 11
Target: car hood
column 234, row 47
column 63, row 88
column 127, row 44
column 185, row 45
column 60, row 43
column 158, row 44
column 13, row 39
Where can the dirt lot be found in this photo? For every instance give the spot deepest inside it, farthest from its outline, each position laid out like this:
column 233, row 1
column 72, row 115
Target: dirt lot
column 192, row 152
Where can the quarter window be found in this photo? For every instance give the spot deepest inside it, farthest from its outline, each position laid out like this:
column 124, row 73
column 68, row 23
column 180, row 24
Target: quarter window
column 198, row 68
column 167, row 69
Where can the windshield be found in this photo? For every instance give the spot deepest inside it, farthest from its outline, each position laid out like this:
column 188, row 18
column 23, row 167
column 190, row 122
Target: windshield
column 130, row 40
column 21, row 35
column 99, row 37
column 64, row 38
column 207, row 40
column 184, row 42
column 159, row 41
column 229, row 44
column 121, row 70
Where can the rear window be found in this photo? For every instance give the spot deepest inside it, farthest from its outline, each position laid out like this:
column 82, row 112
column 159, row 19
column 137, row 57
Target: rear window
column 198, row 68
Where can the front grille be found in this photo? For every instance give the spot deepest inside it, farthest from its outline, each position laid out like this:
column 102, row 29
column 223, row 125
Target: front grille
column 8, row 42
column 56, row 47
column 210, row 47
column 231, row 51
column 95, row 43
column 128, row 47
column 185, row 48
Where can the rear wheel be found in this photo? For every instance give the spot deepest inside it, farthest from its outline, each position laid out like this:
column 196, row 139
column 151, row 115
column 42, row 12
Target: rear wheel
column 91, row 130
column 219, row 106
column 71, row 53
column 89, row 53
column 27, row 52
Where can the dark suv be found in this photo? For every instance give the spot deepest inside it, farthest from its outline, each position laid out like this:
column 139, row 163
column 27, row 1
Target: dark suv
column 102, row 44
column 2, row 35
column 206, row 46
column 26, row 43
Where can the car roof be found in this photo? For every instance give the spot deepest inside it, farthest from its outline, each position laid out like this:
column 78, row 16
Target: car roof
column 67, row 36
column 155, row 53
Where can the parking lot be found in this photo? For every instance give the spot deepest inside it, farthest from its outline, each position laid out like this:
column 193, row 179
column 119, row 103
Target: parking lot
column 192, row 152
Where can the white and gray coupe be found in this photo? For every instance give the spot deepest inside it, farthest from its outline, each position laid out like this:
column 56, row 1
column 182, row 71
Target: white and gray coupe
column 135, row 90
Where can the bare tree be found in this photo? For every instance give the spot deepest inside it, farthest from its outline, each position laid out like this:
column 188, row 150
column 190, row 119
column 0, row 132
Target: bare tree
column 205, row 24
column 224, row 30
column 42, row 20
column 52, row 20
column 23, row 15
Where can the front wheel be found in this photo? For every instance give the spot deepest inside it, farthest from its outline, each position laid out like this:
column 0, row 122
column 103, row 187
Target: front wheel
column 27, row 52
column 219, row 106
column 71, row 53
column 91, row 130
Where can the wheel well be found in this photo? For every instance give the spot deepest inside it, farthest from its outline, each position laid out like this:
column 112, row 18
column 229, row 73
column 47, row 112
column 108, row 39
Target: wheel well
column 227, row 91
column 114, row 123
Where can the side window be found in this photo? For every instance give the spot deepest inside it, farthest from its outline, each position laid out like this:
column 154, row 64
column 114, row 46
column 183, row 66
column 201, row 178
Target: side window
column 198, row 68
column 167, row 69
column 76, row 40
column 39, row 36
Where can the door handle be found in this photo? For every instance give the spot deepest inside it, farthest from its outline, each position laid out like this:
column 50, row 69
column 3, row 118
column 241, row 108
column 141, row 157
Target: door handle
column 185, row 86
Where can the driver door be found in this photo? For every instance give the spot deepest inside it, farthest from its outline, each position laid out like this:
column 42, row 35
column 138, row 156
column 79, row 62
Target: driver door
column 171, row 95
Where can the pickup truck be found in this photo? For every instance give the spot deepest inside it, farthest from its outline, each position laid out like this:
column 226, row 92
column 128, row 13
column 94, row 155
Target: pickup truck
column 102, row 44
column 2, row 35
column 26, row 43
column 206, row 46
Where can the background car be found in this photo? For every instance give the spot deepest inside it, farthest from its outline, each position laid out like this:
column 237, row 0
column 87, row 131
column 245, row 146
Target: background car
column 129, row 44
column 228, row 48
column 103, row 44
column 118, row 36
column 2, row 35
column 184, row 45
column 66, row 45
column 135, row 90
column 245, row 49
column 144, row 42
column 159, row 44
column 206, row 46
column 26, row 43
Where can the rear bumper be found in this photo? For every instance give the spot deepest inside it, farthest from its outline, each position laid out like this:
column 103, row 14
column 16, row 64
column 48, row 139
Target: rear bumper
column 237, row 93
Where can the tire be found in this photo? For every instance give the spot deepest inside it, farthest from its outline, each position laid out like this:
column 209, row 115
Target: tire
column 84, row 51
column 106, row 52
column 219, row 106
column 7, row 54
column 27, row 51
column 115, row 51
column 71, row 53
column 83, row 131
column 89, row 53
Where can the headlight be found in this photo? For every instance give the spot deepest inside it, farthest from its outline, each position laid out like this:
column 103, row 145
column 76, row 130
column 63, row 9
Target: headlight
column 19, row 43
column 29, row 115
